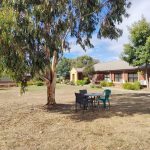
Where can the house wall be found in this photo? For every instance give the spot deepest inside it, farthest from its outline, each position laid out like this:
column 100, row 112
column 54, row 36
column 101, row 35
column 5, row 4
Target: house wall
column 124, row 75
column 73, row 75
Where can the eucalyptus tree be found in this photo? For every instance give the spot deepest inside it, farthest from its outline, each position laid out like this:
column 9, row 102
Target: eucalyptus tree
column 137, row 51
column 43, row 29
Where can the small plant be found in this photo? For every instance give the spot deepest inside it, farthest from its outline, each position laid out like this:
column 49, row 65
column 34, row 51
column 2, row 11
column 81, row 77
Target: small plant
column 96, row 86
column 31, row 82
column 39, row 83
column 106, row 84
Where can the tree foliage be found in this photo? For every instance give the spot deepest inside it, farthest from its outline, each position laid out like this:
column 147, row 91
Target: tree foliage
column 83, row 61
column 64, row 67
column 37, row 32
column 137, row 51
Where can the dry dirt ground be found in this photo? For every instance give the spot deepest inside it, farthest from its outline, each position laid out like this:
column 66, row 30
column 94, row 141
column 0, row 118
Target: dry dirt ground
column 26, row 125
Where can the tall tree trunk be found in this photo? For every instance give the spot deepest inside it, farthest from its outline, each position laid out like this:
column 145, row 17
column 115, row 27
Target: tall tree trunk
column 51, row 91
column 51, row 83
column 146, row 74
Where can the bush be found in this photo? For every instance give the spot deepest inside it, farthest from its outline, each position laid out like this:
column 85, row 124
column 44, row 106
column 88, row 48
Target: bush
column 103, row 83
column 83, row 82
column 132, row 86
column 80, row 82
column 31, row 82
column 39, row 83
column 137, row 85
column 106, row 84
column 86, row 80
column 110, row 84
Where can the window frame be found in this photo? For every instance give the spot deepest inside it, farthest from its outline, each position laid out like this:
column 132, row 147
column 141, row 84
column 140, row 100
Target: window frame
column 132, row 77
column 118, row 77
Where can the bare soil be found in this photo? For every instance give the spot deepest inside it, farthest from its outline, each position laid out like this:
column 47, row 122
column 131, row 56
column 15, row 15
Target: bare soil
column 25, row 124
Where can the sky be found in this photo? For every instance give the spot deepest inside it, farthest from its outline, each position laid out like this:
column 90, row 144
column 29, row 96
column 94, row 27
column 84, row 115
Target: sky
column 110, row 50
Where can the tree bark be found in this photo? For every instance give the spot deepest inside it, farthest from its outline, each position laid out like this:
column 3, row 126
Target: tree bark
column 51, row 91
column 51, row 82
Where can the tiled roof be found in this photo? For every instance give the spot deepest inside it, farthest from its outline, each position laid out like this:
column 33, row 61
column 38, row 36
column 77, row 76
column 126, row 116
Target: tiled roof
column 113, row 65
column 79, row 69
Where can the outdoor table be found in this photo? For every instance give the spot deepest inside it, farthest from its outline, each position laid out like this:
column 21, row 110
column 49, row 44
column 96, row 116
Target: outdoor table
column 93, row 95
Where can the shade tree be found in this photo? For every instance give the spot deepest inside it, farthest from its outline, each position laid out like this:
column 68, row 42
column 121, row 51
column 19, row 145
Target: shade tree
column 39, row 31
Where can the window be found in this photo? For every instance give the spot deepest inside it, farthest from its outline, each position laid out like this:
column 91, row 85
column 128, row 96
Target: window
column 118, row 77
column 106, row 77
column 132, row 77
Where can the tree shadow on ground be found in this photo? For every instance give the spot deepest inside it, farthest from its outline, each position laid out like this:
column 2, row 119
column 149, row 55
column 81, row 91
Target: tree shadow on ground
column 121, row 105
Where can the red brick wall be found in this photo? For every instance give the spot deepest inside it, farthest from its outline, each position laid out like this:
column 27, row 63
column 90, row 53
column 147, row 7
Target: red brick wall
column 112, row 76
column 125, row 76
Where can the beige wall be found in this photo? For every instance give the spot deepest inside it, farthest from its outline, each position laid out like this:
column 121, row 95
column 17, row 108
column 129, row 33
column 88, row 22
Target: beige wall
column 73, row 75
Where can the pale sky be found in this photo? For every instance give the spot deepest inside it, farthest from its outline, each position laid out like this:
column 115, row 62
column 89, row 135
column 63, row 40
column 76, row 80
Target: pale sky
column 107, row 50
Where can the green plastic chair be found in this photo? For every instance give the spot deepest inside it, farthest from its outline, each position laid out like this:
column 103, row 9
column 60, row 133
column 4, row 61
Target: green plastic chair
column 105, row 98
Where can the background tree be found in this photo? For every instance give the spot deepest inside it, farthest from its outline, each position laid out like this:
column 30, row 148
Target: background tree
column 83, row 61
column 64, row 67
column 41, row 31
column 87, row 63
column 137, row 52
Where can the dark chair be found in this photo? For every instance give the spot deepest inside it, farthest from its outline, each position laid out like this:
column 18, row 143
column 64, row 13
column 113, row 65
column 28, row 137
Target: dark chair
column 91, row 100
column 81, row 100
column 83, row 91
column 105, row 98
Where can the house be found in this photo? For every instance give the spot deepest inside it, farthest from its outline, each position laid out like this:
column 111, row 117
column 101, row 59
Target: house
column 76, row 74
column 115, row 71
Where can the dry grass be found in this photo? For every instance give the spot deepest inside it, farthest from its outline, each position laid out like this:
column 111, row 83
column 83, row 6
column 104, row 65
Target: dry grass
column 26, row 125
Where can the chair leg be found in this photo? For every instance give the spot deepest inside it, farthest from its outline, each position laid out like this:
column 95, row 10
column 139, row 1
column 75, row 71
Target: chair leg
column 75, row 107
column 104, row 103
column 109, row 104
column 98, row 104
column 92, row 103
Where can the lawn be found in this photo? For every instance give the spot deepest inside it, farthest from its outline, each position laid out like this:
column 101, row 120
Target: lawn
column 25, row 124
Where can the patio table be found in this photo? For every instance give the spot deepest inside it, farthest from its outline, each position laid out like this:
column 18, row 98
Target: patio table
column 93, row 95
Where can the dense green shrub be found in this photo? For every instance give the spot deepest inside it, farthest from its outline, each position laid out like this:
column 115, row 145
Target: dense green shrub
column 106, row 84
column 103, row 83
column 86, row 80
column 39, row 83
column 83, row 82
column 132, row 86
column 80, row 82
column 137, row 85
column 110, row 84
